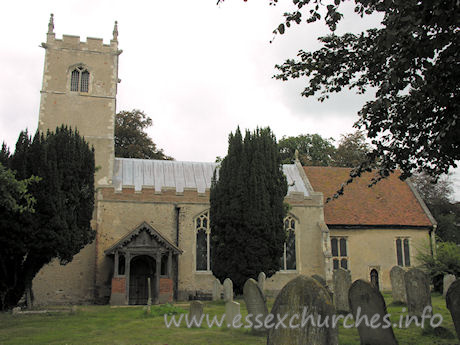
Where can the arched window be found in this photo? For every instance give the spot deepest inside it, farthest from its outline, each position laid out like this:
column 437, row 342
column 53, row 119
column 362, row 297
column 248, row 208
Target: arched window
column 79, row 80
column 402, row 252
column 289, row 261
column 339, row 252
column 203, row 258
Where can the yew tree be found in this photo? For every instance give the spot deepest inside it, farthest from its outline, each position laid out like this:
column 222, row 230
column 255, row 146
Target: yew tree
column 61, row 166
column 247, row 209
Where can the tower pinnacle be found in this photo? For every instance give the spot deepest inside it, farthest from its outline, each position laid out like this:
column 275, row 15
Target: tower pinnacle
column 51, row 24
column 115, row 31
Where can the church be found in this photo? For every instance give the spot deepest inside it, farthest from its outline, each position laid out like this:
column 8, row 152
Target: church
column 152, row 217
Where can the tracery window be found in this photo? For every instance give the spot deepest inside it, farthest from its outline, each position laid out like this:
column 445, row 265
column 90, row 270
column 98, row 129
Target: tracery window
column 403, row 252
column 289, row 255
column 79, row 80
column 339, row 252
column 203, row 257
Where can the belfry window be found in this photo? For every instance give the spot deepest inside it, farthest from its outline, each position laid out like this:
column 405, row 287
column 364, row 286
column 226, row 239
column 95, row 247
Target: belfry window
column 79, row 80
column 203, row 257
column 289, row 260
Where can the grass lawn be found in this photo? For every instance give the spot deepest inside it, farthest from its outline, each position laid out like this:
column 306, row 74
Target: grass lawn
column 131, row 325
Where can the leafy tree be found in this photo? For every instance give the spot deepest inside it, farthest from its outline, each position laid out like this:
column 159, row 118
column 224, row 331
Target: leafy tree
column 352, row 150
column 247, row 209
column 14, row 196
column 60, row 226
column 313, row 149
column 411, row 61
column 130, row 139
column 437, row 196
column 446, row 261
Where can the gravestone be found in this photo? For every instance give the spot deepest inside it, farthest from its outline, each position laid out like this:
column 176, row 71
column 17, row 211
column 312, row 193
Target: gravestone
column 196, row 311
column 367, row 304
column 417, row 291
column 232, row 309
column 255, row 303
column 228, row 290
column 453, row 304
column 446, row 282
column 261, row 281
column 398, row 286
column 342, row 281
column 303, row 298
column 216, row 288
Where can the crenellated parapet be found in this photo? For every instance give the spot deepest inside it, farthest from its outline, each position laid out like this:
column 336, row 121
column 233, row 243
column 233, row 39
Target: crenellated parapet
column 71, row 42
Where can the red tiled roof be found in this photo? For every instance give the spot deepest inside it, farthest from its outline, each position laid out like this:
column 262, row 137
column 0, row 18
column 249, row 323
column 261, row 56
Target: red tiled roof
column 390, row 202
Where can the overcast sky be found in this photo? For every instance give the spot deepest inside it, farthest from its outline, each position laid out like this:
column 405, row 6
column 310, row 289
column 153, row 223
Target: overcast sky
column 197, row 69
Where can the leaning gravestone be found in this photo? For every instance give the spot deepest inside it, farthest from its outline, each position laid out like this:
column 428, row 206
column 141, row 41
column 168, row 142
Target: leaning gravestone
column 398, row 286
column 255, row 303
column 216, row 288
column 303, row 297
column 196, row 311
column 261, row 281
column 446, row 282
column 228, row 290
column 232, row 309
column 369, row 301
column 417, row 291
column 342, row 281
column 453, row 304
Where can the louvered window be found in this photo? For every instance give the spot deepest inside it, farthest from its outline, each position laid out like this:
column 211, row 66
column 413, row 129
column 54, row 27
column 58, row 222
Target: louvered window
column 79, row 80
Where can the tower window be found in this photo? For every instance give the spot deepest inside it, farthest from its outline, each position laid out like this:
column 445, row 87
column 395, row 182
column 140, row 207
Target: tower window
column 79, row 80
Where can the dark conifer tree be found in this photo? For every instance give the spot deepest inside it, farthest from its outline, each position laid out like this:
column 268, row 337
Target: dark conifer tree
column 247, row 209
column 60, row 226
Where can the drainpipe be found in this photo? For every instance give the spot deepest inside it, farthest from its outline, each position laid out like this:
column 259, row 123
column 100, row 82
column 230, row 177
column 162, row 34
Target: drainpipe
column 176, row 266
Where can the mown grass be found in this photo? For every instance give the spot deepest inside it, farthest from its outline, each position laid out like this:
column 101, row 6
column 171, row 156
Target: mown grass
column 131, row 325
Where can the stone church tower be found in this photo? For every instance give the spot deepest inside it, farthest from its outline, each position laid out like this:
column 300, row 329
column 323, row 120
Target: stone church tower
column 79, row 89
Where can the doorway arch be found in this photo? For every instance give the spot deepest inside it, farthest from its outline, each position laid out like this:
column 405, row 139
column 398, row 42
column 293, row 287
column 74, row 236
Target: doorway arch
column 142, row 267
column 375, row 278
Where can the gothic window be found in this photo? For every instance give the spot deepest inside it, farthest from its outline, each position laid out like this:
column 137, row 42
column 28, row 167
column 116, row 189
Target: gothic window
column 402, row 252
column 339, row 252
column 289, row 257
column 203, row 258
column 79, row 79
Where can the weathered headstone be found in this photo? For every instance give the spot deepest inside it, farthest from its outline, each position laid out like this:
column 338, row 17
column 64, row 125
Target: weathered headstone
column 261, row 281
column 216, row 288
column 228, row 290
column 398, row 286
column 232, row 309
column 342, row 281
column 368, row 306
column 196, row 311
column 453, row 304
column 417, row 291
column 446, row 282
column 303, row 298
column 255, row 303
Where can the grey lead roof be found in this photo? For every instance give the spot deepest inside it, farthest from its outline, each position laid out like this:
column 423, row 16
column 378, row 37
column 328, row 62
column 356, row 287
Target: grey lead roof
column 180, row 175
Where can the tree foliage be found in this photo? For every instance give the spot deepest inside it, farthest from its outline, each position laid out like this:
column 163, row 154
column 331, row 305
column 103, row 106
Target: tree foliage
column 437, row 196
column 60, row 226
column 411, row 60
column 14, row 196
column 130, row 139
column 247, row 209
column 312, row 148
column 446, row 261
column 352, row 150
